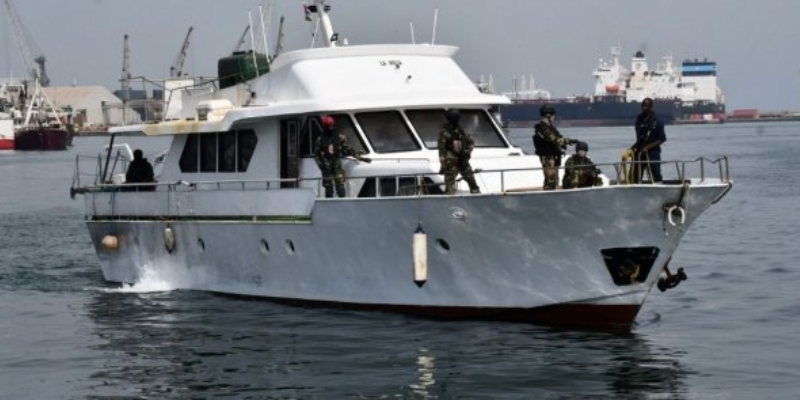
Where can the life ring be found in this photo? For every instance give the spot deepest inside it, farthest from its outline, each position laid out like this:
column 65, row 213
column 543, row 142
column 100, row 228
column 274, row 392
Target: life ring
column 680, row 210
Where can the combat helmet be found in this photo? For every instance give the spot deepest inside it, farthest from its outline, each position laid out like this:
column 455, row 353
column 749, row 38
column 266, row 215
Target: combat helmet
column 452, row 115
column 547, row 109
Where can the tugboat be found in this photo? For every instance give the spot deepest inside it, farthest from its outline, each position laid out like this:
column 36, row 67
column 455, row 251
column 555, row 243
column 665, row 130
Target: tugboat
column 239, row 206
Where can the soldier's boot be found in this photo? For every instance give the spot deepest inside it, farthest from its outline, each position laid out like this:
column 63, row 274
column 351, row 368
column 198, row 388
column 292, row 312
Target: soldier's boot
column 473, row 186
column 450, row 184
column 339, row 191
column 328, row 191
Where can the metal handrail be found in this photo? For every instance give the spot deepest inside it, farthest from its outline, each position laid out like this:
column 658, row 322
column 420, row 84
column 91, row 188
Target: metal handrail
column 270, row 184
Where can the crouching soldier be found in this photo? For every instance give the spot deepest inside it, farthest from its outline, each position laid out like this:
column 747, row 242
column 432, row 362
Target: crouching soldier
column 579, row 170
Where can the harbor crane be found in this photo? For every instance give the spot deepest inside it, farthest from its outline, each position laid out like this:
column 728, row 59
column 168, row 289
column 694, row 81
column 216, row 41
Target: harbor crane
column 242, row 39
column 176, row 70
column 32, row 58
column 125, row 79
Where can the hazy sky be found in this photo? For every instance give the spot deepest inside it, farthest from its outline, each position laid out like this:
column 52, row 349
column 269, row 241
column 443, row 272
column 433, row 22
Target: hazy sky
column 756, row 43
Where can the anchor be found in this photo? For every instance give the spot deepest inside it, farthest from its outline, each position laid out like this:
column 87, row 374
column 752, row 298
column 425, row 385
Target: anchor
column 671, row 280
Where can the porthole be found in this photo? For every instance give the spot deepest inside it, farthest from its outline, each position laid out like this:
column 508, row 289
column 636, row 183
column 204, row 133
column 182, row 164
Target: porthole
column 201, row 244
column 264, row 247
column 442, row 246
column 289, row 247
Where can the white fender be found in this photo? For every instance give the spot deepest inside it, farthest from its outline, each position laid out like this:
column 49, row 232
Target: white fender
column 110, row 243
column 169, row 239
column 420, row 249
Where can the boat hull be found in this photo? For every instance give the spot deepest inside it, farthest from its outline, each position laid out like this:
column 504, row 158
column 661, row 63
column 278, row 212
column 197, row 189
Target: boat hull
column 6, row 144
column 42, row 139
column 494, row 257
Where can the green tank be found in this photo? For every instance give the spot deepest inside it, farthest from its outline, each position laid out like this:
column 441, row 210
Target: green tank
column 240, row 67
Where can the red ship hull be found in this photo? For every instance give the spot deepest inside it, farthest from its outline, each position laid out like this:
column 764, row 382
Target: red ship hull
column 6, row 144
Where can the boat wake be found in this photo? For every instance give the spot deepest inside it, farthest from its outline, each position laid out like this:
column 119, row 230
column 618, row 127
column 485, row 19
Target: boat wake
column 154, row 278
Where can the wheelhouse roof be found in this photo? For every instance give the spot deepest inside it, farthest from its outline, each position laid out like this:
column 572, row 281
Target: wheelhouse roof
column 345, row 78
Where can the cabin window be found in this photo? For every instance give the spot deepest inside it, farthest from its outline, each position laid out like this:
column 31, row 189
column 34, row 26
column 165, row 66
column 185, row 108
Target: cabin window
column 227, row 152
column 188, row 162
column 218, row 152
column 398, row 186
column 387, row 131
column 343, row 124
column 246, row 141
column 429, row 123
column 208, row 152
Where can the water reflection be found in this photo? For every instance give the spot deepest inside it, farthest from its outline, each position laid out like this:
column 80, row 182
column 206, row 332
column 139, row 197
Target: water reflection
column 425, row 378
column 187, row 344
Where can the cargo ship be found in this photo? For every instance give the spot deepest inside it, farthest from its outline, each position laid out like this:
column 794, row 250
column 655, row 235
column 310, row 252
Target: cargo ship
column 686, row 94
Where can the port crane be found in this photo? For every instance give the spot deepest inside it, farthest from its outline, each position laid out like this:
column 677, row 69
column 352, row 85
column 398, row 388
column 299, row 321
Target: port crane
column 34, row 61
column 242, row 39
column 176, row 70
column 125, row 78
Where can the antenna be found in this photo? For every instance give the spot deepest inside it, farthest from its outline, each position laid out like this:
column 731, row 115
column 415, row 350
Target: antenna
column 411, row 26
column 435, row 20
column 252, row 40
column 280, row 37
column 263, row 30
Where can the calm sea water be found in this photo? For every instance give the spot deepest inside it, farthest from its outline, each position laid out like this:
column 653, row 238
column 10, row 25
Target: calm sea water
column 729, row 332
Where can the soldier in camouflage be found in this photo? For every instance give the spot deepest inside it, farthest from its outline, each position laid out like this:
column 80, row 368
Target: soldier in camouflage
column 329, row 149
column 579, row 170
column 455, row 149
column 549, row 146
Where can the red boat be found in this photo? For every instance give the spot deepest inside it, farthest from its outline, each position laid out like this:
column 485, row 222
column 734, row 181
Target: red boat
column 6, row 134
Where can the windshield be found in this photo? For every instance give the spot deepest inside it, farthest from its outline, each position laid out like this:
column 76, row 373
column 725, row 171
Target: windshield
column 428, row 124
column 343, row 124
column 387, row 131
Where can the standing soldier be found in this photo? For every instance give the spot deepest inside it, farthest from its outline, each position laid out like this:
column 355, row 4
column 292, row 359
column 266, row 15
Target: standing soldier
column 329, row 149
column 455, row 149
column 579, row 170
column 140, row 171
column 549, row 146
column 649, row 137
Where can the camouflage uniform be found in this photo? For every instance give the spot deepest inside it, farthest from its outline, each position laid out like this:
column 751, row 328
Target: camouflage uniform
column 549, row 146
column 329, row 149
column 579, row 171
column 455, row 149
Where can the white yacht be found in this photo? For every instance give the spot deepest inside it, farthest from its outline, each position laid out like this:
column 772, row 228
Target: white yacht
column 239, row 207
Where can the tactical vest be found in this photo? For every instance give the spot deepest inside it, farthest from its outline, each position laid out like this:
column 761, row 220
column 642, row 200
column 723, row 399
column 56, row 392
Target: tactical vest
column 331, row 146
column 456, row 141
column 541, row 145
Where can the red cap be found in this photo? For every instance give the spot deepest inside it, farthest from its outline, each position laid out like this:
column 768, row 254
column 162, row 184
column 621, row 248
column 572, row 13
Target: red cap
column 326, row 121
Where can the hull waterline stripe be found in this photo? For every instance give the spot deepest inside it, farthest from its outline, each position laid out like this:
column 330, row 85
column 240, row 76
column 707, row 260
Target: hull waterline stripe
column 576, row 315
